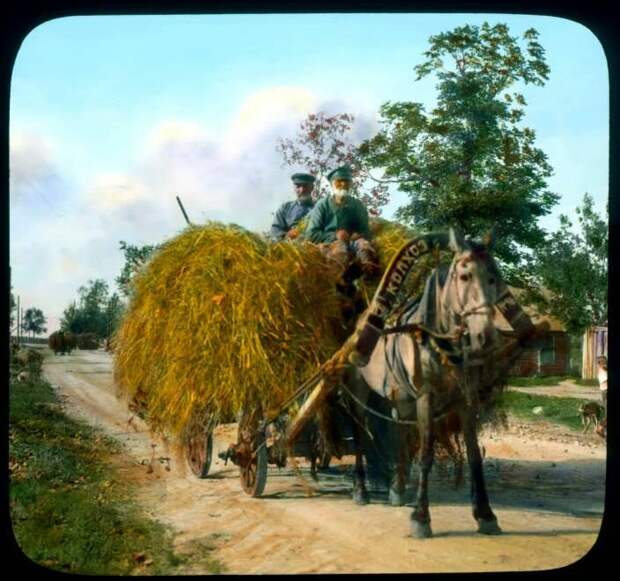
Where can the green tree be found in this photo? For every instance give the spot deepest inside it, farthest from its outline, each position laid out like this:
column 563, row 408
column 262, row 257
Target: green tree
column 570, row 278
column 324, row 143
column 113, row 313
column 93, row 301
column 96, row 312
column 135, row 257
column 34, row 322
column 469, row 163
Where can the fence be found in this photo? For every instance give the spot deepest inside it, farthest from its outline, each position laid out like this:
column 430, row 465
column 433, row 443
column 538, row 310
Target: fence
column 594, row 345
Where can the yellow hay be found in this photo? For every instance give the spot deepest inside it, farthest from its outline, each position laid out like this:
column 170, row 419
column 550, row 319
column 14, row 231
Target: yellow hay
column 223, row 321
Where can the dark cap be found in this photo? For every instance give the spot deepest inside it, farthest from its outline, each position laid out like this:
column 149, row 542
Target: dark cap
column 303, row 178
column 343, row 173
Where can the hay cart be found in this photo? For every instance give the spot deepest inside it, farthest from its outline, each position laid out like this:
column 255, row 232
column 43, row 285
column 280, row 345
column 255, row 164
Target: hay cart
column 272, row 437
column 268, row 438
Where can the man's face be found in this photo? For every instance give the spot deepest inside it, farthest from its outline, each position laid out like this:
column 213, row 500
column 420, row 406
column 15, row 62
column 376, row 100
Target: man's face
column 341, row 188
column 303, row 191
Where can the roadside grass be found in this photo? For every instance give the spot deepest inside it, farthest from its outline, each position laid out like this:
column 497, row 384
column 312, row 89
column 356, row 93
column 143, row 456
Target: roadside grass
column 549, row 380
column 69, row 510
column 590, row 382
column 544, row 380
column 561, row 410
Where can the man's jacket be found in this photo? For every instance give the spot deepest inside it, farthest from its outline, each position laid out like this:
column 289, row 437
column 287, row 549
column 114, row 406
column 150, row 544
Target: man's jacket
column 288, row 215
column 327, row 218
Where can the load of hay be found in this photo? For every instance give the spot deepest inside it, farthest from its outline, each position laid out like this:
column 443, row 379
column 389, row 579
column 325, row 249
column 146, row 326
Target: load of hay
column 222, row 320
column 62, row 342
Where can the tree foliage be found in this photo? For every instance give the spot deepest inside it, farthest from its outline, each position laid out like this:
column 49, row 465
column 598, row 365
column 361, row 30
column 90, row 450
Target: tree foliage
column 95, row 312
column 468, row 162
column 570, row 278
column 322, row 144
column 135, row 258
column 34, row 321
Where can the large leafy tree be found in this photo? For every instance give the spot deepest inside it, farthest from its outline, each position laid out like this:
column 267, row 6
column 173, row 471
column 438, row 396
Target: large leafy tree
column 570, row 273
column 324, row 142
column 34, row 321
column 468, row 162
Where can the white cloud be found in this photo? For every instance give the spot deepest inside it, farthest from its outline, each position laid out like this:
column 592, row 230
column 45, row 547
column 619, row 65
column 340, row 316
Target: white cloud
column 111, row 191
column 34, row 180
column 236, row 177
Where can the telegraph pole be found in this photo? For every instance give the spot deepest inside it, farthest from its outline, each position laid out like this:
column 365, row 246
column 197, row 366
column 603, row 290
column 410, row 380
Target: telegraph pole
column 17, row 333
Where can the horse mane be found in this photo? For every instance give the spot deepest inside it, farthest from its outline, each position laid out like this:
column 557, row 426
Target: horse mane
column 426, row 309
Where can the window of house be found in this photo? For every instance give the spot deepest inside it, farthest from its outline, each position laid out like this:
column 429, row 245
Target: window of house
column 546, row 355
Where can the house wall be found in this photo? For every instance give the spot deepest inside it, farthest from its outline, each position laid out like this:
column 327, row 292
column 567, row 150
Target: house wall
column 529, row 362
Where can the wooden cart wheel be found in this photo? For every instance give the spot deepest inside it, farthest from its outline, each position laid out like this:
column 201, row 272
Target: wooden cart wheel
column 252, row 458
column 199, row 451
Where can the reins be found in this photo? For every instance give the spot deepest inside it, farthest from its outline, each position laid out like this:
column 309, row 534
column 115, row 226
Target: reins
column 383, row 416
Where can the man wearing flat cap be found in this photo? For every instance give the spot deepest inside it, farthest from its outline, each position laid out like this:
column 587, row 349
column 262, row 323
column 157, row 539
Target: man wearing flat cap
column 289, row 214
column 341, row 221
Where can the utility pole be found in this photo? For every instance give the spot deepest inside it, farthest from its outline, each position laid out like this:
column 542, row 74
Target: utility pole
column 18, row 322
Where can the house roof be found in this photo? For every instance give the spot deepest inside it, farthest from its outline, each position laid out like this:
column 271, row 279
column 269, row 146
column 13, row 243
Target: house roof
column 502, row 324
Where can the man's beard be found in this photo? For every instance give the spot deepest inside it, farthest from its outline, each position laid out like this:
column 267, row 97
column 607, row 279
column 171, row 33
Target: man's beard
column 305, row 199
column 340, row 194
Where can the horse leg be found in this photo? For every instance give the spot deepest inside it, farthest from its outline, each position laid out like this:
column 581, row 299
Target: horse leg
column 420, row 517
column 487, row 521
column 360, row 494
column 399, row 478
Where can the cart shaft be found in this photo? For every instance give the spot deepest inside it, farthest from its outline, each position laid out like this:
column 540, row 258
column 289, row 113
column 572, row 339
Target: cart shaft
column 307, row 410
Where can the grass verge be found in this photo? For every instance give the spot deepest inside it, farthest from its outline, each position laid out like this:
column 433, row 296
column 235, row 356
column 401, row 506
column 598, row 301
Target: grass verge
column 562, row 410
column 545, row 380
column 69, row 510
column 550, row 380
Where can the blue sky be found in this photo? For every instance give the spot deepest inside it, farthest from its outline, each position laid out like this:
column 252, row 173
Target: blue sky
column 111, row 117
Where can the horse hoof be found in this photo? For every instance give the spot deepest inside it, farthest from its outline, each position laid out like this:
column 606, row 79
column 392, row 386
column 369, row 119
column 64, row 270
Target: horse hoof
column 396, row 498
column 421, row 530
column 489, row 527
column 360, row 497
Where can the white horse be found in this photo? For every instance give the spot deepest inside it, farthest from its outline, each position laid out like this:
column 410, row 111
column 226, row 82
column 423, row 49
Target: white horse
column 441, row 357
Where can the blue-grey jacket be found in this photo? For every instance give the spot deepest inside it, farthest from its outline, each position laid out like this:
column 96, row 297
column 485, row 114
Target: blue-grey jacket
column 288, row 215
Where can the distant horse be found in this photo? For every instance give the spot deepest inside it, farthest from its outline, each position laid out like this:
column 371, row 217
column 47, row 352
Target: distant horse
column 444, row 357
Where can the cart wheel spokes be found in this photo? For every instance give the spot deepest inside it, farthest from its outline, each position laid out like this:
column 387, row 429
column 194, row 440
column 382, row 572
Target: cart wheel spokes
column 199, row 451
column 252, row 460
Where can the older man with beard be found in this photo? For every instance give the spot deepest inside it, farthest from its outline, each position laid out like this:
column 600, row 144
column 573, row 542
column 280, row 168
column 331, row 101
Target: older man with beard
column 290, row 214
column 341, row 221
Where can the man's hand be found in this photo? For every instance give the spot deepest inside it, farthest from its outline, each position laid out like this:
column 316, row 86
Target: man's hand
column 292, row 233
column 342, row 235
column 355, row 236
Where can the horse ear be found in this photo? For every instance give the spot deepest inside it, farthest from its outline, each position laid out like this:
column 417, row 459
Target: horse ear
column 456, row 242
column 489, row 238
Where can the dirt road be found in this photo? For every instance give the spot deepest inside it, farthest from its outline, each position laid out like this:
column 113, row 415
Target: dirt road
column 546, row 487
column 565, row 388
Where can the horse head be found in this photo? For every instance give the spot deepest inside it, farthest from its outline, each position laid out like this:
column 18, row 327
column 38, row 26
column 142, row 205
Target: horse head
column 471, row 291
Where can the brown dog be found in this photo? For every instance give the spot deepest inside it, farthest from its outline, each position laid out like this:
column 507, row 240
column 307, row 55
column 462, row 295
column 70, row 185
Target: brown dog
column 601, row 429
column 590, row 412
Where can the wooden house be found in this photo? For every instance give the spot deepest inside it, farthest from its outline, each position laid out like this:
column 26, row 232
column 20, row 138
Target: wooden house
column 549, row 355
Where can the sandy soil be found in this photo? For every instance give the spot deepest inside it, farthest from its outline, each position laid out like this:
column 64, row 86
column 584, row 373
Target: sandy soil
column 546, row 488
